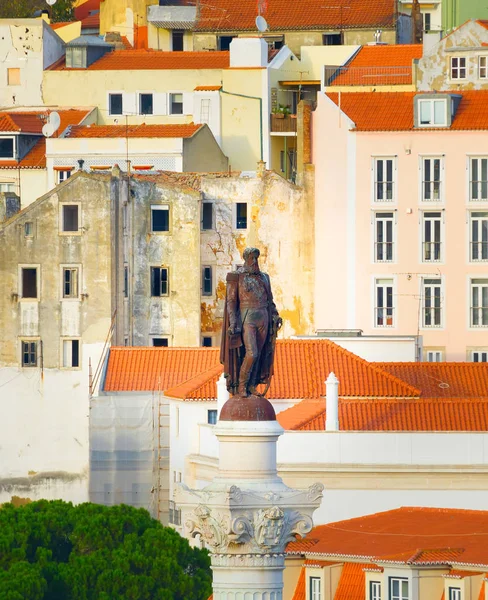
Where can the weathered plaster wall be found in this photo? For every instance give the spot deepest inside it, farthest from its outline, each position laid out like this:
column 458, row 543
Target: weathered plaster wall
column 201, row 153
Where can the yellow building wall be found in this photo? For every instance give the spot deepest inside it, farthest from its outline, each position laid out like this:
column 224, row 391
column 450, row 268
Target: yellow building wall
column 69, row 32
column 160, row 39
column 29, row 184
column 122, row 15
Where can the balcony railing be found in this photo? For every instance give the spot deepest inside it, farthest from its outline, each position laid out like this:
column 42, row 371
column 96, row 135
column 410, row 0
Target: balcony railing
column 335, row 76
column 281, row 123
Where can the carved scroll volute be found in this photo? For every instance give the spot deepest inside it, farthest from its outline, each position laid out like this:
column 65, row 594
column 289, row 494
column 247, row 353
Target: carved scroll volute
column 213, row 531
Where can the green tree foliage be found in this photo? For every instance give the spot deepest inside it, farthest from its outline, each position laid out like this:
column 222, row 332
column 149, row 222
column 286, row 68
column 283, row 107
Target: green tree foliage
column 57, row 551
column 62, row 10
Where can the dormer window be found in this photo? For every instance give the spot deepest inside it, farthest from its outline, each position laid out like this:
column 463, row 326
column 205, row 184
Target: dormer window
column 458, row 67
column 432, row 112
column 7, row 147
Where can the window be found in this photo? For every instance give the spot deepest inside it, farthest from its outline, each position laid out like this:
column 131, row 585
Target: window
column 13, row 76
column 212, row 417
column 6, row 186
column 315, row 588
column 177, row 36
column 207, row 216
column 70, row 217
column 479, row 236
column 29, row 229
column 383, row 179
column 29, row 354
column 159, row 217
column 434, row 355
column 70, row 282
column 332, row 39
column 159, row 281
column 398, row 589
column 431, row 303
column 384, row 303
column 479, row 356
column 115, row 104
column 160, row 342
column 63, row 175
column 427, row 22
column 432, row 113
column 478, row 179
column 431, row 179
column 482, row 67
column 145, row 104
column 126, row 281
column 454, row 593
column 71, row 353
column 383, row 251
column 458, row 67
column 207, row 341
column 374, row 590
column 29, row 283
column 76, row 57
column 431, row 236
column 224, row 41
column 241, row 215
column 7, row 147
column 207, row 281
column 205, row 110
column 479, row 303
column 176, row 104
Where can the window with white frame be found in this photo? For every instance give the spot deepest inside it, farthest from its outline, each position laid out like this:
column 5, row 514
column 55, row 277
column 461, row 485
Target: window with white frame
column 384, row 171
column 63, row 175
column 479, row 356
column 431, row 302
column 431, row 236
column 458, row 67
column 383, row 244
column 431, row 179
column 374, row 590
column 478, row 179
column 454, row 593
column 7, row 186
column 7, row 147
column 115, row 104
column 479, row 303
column 207, row 280
column 205, row 110
column 315, row 588
column 70, row 282
column 432, row 112
column 399, row 589
column 159, row 281
column 29, row 282
column 384, row 303
column 145, row 104
column 71, row 354
column 478, row 229
column 434, row 355
column 176, row 104
column 212, row 416
column 159, row 218
column 483, row 67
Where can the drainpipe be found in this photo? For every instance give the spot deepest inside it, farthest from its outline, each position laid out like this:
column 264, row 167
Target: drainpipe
column 332, row 403
column 260, row 114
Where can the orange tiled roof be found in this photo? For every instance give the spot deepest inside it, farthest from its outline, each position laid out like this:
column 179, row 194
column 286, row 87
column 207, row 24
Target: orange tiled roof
column 372, row 65
column 300, row 593
column 61, row 24
column 439, row 534
column 352, row 581
column 125, row 41
column 140, row 60
column 282, row 15
column 443, row 380
column 208, row 88
column 460, row 574
column 393, row 111
column 85, row 8
column 30, row 122
column 311, row 562
column 91, row 21
column 134, row 131
column 302, row 366
column 435, row 556
column 200, row 387
column 420, row 414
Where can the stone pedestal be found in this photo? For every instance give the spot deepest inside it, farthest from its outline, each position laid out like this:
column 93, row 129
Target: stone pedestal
column 247, row 515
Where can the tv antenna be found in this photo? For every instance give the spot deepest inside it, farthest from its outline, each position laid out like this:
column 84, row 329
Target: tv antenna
column 52, row 125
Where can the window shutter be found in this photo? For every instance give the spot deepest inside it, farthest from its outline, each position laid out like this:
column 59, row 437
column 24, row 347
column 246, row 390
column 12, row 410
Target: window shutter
column 188, row 103
column 129, row 105
column 160, row 103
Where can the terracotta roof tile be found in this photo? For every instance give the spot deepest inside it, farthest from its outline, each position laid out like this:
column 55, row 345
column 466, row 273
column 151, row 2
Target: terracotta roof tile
column 380, row 65
column 61, row 24
column 200, row 387
column 208, row 88
column 408, row 531
column 141, row 60
column 85, row 8
column 134, row 131
column 29, row 122
column 460, row 574
column 393, row 111
column 443, row 380
column 312, row 562
column 434, row 556
column 301, row 546
column 300, row 593
column 421, row 414
column 352, row 582
column 282, row 15
column 91, row 21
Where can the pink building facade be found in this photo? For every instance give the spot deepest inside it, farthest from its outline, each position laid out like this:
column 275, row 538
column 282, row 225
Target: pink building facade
column 402, row 218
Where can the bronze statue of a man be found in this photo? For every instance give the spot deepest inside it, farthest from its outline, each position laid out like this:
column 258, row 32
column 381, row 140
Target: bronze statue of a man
column 251, row 323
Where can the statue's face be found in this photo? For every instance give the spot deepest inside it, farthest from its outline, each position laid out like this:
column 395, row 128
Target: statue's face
column 251, row 263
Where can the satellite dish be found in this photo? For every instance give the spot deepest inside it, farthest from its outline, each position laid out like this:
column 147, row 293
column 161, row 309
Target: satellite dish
column 55, row 120
column 47, row 130
column 51, row 2
column 261, row 24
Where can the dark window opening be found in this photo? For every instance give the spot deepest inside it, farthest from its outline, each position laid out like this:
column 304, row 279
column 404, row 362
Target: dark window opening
column 159, row 281
column 160, row 342
column 207, row 341
column 29, row 283
column 126, row 282
column 29, row 229
column 70, row 217
column 146, row 104
column 176, row 104
column 332, row 39
column 212, row 417
column 241, row 215
column 177, row 40
column 207, row 215
column 160, row 218
column 427, row 25
column 75, row 353
column 207, row 281
column 115, row 104
column 224, row 41
column 29, row 354
column 6, row 147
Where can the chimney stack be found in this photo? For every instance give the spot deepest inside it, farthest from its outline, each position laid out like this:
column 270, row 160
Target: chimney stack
column 332, row 403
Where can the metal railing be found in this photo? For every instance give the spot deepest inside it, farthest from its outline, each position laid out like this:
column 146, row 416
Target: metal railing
column 335, row 76
column 383, row 251
column 479, row 251
column 384, row 316
column 432, row 251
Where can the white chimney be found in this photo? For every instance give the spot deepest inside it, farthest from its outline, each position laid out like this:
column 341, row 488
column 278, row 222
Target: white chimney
column 222, row 394
column 429, row 40
column 248, row 52
column 332, row 403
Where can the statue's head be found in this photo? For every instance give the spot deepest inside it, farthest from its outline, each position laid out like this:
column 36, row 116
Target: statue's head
column 251, row 256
